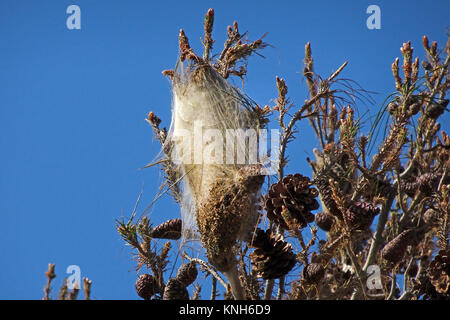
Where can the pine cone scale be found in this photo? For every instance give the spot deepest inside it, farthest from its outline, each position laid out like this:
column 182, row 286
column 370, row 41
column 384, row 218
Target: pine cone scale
column 272, row 257
column 171, row 230
column 294, row 194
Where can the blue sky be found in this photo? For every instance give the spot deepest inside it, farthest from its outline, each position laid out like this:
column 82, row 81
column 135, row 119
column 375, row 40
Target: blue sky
column 73, row 103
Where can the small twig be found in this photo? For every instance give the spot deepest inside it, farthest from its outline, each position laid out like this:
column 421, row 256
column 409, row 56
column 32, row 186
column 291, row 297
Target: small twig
column 268, row 290
column 393, row 284
column 208, row 41
column 438, row 80
column 87, row 288
column 406, row 295
column 153, row 164
column 357, row 268
column 280, row 288
column 50, row 274
column 405, row 276
column 197, row 290
column 410, row 166
column 417, row 199
column 444, row 175
column 437, row 146
column 214, row 288
column 400, row 195
column 376, row 242
column 63, row 291
column 74, row 294
column 208, row 267
column 287, row 133
column 334, row 75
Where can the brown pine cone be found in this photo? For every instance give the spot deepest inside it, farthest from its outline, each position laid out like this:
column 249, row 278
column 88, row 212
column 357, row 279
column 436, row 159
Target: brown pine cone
column 431, row 217
column 324, row 221
column 145, row 286
column 435, row 109
column 326, row 194
column 439, row 272
column 392, row 108
column 175, row 290
column 395, row 249
column 424, row 288
column 428, row 182
column 294, row 192
column 413, row 105
column 359, row 215
column 171, row 229
column 187, row 273
column 313, row 273
column 378, row 187
column 273, row 257
column 414, row 108
column 408, row 187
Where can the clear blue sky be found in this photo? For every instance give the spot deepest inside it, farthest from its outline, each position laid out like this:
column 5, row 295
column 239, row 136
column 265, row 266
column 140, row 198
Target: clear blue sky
column 73, row 103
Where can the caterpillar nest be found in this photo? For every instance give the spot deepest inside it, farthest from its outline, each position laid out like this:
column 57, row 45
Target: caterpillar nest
column 221, row 181
column 207, row 111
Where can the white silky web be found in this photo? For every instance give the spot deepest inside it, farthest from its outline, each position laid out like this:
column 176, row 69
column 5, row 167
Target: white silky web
column 201, row 95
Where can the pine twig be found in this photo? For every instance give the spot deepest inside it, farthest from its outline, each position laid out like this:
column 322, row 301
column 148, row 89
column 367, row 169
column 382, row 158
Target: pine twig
column 87, row 288
column 207, row 267
column 50, row 274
